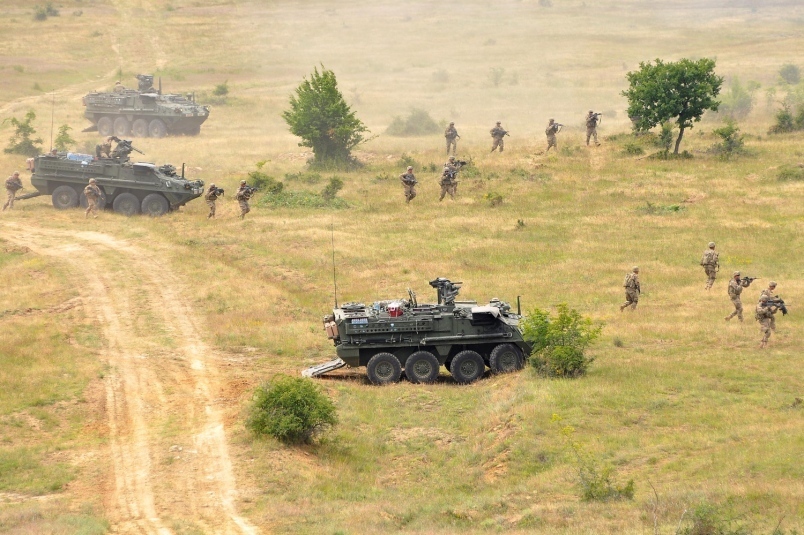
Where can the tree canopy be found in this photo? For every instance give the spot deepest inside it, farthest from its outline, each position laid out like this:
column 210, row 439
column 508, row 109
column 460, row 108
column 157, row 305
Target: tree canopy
column 21, row 142
column 682, row 90
column 321, row 117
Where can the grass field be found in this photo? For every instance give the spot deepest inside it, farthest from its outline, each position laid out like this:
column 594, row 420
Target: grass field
column 677, row 399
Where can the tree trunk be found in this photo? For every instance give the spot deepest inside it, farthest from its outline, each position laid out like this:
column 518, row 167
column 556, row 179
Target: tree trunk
column 678, row 140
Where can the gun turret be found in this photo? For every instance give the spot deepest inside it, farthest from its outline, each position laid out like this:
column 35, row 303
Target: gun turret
column 146, row 82
column 123, row 149
column 447, row 290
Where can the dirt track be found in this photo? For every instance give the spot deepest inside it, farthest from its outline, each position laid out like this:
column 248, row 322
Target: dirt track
column 167, row 442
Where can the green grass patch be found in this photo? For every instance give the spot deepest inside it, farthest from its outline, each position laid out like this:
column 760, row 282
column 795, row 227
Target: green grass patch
column 790, row 173
column 301, row 199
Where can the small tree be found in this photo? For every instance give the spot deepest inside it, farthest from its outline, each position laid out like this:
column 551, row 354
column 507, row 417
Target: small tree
column 290, row 409
column 681, row 90
column 221, row 90
column 64, row 141
column 331, row 190
column 21, row 142
column 321, row 117
column 732, row 141
column 790, row 74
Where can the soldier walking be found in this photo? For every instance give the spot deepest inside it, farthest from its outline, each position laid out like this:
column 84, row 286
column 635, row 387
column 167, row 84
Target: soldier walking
column 710, row 263
column 769, row 293
column 592, row 119
column 409, row 181
column 13, row 185
column 211, row 196
column 92, row 192
column 632, row 289
column 736, row 286
column 764, row 315
column 553, row 128
column 448, row 182
column 450, row 134
column 244, row 193
column 497, row 134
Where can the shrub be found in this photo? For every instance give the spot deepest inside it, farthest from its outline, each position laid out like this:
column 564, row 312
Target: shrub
column 493, row 198
column 660, row 209
column 732, row 141
column 496, row 75
column 331, row 190
column 265, row 183
column 784, row 120
column 665, row 137
column 290, row 409
column 221, row 90
column 306, row 178
column 633, row 148
column 21, row 142
column 738, row 101
column 790, row 173
column 790, row 74
column 405, row 161
column 559, row 342
column 301, row 199
column 64, row 141
column 417, row 123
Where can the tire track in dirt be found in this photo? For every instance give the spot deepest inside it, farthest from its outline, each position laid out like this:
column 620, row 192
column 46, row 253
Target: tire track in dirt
column 160, row 390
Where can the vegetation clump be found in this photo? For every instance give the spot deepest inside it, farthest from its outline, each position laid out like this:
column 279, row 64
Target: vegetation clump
column 331, row 190
column 789, row 173
column 417, row 123
column 45, row 11
column 21, row 142
column 304, row 177
column 64, row 141
column 560, row 342
column 790, row 74
column 493, row 198
column 290, row 409
column 732, row 142
column 660, row 209
column 738, row 101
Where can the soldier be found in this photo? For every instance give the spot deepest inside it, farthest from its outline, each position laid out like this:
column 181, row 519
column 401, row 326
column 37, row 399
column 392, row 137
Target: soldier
column 735, row 289
column 451, row 135
column 118, row 87
column 553, row 128
column 13, row 185
column 105, row 148
column 211, row 196
column 408, row 180
column 448, row 182
column 764, row 315
column 710, row 264
column 92, row 192
column 497, row 134
column 632, row 289
column 244, row 193
column 769, row 292
column 591, row 127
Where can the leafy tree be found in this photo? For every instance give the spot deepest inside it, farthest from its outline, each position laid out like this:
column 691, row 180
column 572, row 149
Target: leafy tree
column 681, row 90
column 738, row 101
column 321, row 117
column 64, row 141
column 732, row 141
column 21, row 142
column 790, row 74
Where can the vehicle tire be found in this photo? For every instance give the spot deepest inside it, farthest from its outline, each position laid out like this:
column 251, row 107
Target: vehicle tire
column 82, row 199
column 467, row 367
column 422, row 367
column 157, row 128
column 127, row 204
column 139, row 128
column 122, row 128
column 105, row 126
column 506, row 358
column 65, row 197
column 154, row 205
column 383, row 369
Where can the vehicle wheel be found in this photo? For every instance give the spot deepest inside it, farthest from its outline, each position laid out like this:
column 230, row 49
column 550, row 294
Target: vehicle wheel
column 105, row 126
column 467, row 367
column 122, row 128
column 383, row 369
column 421, row 367
column 82, row 199
column 127, row 204
column 157, row 128
column 65, row 197
column 139, row 128
column 506, row 358
column 154, row 205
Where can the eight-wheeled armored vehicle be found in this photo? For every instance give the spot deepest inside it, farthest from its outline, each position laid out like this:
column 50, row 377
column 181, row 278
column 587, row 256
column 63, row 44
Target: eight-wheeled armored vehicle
column 144, row 111
column 129, row 188
column 389, row 337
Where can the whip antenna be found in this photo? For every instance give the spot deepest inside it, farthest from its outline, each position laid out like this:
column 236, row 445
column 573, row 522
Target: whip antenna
column 52, row 112
column 334, row 278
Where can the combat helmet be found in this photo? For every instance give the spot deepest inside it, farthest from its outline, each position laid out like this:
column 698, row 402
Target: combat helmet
column 711, row 245
column 763, row 298
column 635, row 269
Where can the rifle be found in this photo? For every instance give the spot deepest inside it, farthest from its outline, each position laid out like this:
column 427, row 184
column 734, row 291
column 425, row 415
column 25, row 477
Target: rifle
column 749, row 279
column 778, row 303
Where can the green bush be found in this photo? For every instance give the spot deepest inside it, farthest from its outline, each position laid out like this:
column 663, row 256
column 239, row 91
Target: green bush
column 559, row 342
column 290, row 409
column 21, row 142
column 660, row 209
column 418, row 123
column 738, row 101
column 331, row 190
column 732, row 141
column 300, row 199
column 64, row 141
column 265, row 183
column 493, row 198
column 405, row 160
column 221, row 90
column 785, row 121
column 790, row 173
column 790, row 74
column 633, row 148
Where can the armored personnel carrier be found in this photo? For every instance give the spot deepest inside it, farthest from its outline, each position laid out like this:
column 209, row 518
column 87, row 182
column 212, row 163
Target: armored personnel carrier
column 143, row 112
column 389, row 337
column 129, row 188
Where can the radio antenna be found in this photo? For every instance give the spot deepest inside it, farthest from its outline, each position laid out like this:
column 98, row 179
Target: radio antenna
column 52, row 112
column 334, row 278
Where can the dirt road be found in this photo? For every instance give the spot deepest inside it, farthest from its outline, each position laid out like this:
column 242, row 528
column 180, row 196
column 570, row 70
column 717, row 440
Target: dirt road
column 167, row 442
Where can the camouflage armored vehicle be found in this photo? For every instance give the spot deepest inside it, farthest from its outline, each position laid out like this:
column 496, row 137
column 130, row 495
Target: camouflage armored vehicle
column 143, row 112
column 390, row 337
column 129, row 188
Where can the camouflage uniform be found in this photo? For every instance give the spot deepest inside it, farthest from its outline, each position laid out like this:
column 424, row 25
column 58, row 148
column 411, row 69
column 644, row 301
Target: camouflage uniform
column 769, row 292
column 92, row 192
column 591, row 127
column 243, row 195
column 552, row 130
column 764, row 315
column 104, row 148
column 451, row 135
column 736, row 286
column 409, row 181
column 710, row 263
column 211, row 196
column 498, row 133
column 448, row 182
column 13, row 185
column 632, row 290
